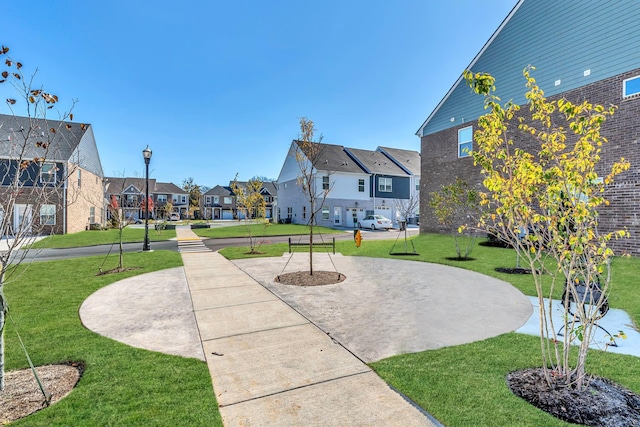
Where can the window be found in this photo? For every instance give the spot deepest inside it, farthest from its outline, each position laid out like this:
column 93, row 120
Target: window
column 216, row 199
column 92, row 215
column 162, row 198
column 631, row 86
column 384, row 185
column 184, row 199
column 465, row 141
column 325, row 182
column 289, row 212
column 417, row 184
column 207, row 200
column 228, row 200
column 285, row 185
column 79, row 177
column 48, row 215
column 304, row 212
column 48, row 173
column 361, row 185
column 325, row 213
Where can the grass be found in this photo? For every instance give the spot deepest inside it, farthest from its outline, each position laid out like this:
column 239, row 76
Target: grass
column 465, row 385
column 261, row 230
column 121, row 385
column 102, row 237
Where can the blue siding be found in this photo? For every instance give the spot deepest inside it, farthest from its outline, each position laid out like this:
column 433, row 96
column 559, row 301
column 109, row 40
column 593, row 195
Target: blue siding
column 561, row 39
column 399, row 187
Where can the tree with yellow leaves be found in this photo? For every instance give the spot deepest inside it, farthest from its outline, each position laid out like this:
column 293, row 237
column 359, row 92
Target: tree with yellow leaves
column 552, row 189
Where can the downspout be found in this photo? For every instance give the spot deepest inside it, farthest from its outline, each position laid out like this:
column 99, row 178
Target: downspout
column 64, row 200
column 373, row 189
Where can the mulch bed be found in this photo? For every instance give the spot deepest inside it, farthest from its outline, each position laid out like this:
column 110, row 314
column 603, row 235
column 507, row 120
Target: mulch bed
column 303, row 278
column 602, row 403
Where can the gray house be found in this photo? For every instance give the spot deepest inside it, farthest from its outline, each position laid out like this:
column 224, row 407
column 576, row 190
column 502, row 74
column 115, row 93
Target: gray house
column 586, row 50
column 358, row 183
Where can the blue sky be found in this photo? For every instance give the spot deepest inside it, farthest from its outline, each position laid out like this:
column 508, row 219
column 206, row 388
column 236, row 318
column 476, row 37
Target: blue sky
column 217, row 88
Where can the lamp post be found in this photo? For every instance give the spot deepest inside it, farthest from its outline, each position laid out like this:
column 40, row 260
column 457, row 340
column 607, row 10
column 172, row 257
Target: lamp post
column 146, row 153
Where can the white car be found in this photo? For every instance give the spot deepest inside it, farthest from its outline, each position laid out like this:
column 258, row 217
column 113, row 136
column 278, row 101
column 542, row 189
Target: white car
column 174, row 217
column 375, row 222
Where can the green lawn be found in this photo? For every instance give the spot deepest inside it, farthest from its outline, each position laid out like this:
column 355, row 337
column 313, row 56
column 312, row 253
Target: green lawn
column 122, row 385
column 102, row 237
column 465, row 385
column 261, row 230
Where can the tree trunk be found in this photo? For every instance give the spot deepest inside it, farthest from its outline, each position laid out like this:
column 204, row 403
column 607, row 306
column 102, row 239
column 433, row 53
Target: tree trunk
column 311, row 247
column 2, row 323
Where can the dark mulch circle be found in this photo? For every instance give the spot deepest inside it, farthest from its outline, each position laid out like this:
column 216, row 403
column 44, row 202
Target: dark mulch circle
column 513, row 270
column 602, row 403
column 303, row 278
column 117, row 270
column 456, row 258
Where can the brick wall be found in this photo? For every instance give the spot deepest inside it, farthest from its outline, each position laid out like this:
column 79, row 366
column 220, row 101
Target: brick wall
column 441, row 165
column 80, row 199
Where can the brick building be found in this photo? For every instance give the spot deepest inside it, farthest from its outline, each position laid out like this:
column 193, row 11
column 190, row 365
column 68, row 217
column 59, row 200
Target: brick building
column 587, row 50
column 50, row 177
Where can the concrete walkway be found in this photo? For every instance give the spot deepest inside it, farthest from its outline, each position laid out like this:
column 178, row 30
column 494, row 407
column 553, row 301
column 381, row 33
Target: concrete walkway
column 300, row 362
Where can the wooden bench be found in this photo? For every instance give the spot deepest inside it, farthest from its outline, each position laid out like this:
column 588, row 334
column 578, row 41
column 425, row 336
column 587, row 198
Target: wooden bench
column 331, row 245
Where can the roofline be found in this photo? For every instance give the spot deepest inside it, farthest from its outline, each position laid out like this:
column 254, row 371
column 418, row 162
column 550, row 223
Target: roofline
column 394, row 160
column 356, row 160
column 470, row 66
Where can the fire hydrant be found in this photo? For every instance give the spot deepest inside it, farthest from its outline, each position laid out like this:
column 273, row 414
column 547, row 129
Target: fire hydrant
column 358, row 238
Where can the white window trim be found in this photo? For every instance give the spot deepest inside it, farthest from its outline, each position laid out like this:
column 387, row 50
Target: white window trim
column 462, row 155
column 383, row 189
column 327, row 210
column 44, row 212
column 52, row 174
column 624, row 87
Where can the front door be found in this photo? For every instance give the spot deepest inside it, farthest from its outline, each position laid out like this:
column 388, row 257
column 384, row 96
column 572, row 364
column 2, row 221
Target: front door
column 337, row 215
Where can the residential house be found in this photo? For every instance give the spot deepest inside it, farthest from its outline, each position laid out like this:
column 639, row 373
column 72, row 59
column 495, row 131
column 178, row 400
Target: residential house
column 357, row 183
column 218, row 203
column 129, row 193
column 53, row 171
column 586, row 50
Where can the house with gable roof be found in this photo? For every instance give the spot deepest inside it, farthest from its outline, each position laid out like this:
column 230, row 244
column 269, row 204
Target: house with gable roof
column 58, row 160
column 586, row 50
column 359, row 183
column 130, row 192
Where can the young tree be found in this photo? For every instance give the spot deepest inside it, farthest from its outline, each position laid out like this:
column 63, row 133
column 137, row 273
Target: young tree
column 32, row 177
column 308, row 154
column 194, row 191
column 121, row 212
column 406, row 208
column 457, row 207
column 250, row 205
column 554, row 190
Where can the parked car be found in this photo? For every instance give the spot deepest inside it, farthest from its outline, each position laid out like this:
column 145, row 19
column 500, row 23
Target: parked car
column 375, row 222
column 174, row 217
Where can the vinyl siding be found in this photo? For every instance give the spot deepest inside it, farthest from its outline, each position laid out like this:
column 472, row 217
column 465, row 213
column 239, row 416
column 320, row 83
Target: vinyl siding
column 561, row 39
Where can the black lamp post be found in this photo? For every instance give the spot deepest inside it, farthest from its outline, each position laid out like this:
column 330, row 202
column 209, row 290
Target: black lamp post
column 146, row 153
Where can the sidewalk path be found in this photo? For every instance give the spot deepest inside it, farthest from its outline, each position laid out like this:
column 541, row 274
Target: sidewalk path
column 271, row 366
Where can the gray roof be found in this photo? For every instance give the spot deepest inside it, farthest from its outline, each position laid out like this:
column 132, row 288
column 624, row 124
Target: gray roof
column 68, row 142
column 168, row 188
column 375, row 162
column 406, row 159
column 219, row 190
column 116, row 185
column 334, row 158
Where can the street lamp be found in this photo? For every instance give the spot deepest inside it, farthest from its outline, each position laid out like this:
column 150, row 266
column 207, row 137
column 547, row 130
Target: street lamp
column 146, row 153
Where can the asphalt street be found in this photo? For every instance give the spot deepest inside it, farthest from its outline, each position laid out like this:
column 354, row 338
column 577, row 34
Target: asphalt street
column 40, row 255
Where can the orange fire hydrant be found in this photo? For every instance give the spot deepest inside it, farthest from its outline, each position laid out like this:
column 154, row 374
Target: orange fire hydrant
column 358, row 238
